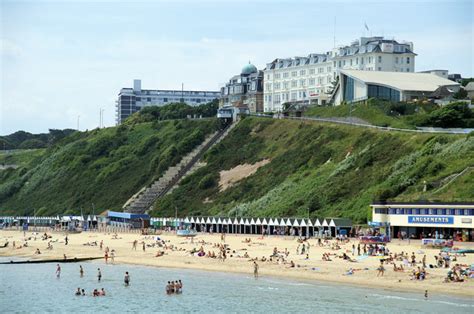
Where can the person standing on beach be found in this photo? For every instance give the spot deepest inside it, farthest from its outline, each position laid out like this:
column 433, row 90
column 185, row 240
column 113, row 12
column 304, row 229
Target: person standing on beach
column 106, row 257
column 353, row 249
column 81, row 271
column 126, row 279
column 66, row 240
column 112, row 256
column 255, row 270
column 358, row 249
column 143, row 246
column 134, row 245
column 58, row 271
column 99, row 274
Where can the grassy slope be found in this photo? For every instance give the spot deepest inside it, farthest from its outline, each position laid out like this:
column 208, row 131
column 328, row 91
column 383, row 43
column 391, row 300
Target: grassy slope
column 101, row 167
column 309, row 171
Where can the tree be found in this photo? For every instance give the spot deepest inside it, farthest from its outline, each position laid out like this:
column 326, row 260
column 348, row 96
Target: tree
column 460, row 94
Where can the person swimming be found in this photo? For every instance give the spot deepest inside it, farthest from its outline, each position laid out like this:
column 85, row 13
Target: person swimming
column 99, row 274
column 78, row 292
column 126, row 279
column 81, row 271
column 58, row 271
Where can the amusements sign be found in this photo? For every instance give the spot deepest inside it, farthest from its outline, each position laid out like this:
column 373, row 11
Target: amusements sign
column 438, row 220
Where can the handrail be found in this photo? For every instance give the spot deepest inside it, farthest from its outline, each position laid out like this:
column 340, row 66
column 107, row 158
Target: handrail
column 385, row 128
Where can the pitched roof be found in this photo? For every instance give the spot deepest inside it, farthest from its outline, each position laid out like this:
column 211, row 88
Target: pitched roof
column 405, row 81
column 469, row 87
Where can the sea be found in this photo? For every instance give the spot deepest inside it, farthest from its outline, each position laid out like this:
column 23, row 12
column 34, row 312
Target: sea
column 34, row 288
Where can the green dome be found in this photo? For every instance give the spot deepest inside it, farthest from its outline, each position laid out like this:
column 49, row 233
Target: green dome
column 249, row 69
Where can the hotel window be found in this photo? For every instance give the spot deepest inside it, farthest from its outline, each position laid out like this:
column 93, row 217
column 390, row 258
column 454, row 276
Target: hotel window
column 302, row 83
column 277, row 76
column 380, row 59
column 423, row 211
column 311, row 71
column 302, row 72
column 329, row 69
column 396, row 60
column 408, row 60
column 268, row 76
column 344, row 62
column 312, row 81
column 277, row 85
column 391, row 211
column 320, row 80
column 439, row 212
column 351, row 62
column 293, row 96
column 294, row 83
column 399, row 211
column 362, row 60
column 357, row 61
column 340, row 63
column 269, row 98
column 334, row 64
column 294, row 73
column 285, row 85
column 458, row 212
column 285, row 75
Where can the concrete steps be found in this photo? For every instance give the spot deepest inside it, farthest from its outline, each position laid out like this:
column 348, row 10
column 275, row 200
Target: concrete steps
column 143, row 201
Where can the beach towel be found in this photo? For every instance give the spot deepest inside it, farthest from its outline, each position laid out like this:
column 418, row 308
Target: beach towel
column 362, row 257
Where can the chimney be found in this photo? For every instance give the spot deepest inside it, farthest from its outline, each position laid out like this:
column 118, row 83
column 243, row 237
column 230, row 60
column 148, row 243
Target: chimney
column 137, row 86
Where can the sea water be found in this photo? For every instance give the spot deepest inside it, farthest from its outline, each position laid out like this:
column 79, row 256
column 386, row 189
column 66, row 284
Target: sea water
column 34, row 288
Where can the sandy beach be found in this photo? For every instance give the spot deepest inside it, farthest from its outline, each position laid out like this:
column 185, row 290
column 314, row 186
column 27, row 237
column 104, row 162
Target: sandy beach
column 310, row 267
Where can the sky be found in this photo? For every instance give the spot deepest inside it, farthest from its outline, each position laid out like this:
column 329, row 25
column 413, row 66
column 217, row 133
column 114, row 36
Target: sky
column 64, row 61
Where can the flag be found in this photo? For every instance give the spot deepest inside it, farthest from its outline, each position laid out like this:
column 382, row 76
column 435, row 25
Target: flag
column 366, row 27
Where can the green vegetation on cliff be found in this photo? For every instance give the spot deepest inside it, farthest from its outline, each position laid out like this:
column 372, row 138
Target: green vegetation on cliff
column 95, row 170
column 322, row 169
column 401, row 115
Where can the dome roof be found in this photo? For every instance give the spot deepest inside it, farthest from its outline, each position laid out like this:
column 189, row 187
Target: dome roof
column 249, row 69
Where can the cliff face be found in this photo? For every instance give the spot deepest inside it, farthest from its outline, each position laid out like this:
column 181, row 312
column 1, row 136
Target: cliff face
column 323, row 170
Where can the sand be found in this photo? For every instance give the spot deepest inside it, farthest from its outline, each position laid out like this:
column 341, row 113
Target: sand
column 230, row 177
column 313, row 269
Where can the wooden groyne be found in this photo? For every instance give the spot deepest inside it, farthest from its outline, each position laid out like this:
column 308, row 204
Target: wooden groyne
column 61, row 260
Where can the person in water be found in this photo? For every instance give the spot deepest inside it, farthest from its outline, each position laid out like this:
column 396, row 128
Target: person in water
column 168, row 288
column 99, row 274
column 58, row 271
column 83, row 292
column 102, row 292
column 255, row 269
column 126, row 279
column 78, row 292
column 81, row 271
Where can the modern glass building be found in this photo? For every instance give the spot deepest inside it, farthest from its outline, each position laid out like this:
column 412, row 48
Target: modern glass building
column 356, row 85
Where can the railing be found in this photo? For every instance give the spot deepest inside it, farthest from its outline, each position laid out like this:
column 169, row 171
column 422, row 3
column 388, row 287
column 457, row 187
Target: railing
column 385, row 128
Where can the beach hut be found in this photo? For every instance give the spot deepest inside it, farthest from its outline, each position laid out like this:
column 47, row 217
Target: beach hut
column 326, row 228
column 341, row 226
column 265, row 225
column 247, row 225
column 242, row 225
column 235, row 225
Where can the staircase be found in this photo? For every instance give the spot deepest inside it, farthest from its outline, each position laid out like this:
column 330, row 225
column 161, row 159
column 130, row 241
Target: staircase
column 444, row 183
column 143, row 201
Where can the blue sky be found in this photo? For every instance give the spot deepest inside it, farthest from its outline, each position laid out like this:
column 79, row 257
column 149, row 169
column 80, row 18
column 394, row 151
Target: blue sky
column 64, row 59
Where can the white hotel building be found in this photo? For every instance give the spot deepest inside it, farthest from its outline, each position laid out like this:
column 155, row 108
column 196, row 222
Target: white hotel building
column 310, row 79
